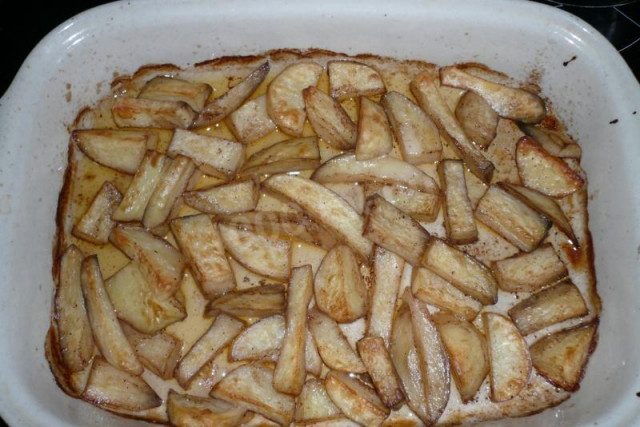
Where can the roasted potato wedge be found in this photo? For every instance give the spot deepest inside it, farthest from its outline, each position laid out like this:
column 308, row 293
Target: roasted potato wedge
column 349, row 79
column 553, row 141
column 193, row 411
column 353, row 193
column 374, row 137
column 262, row 340
column 95, row 225
column 261, row 301
column 162, row 88
column 355, row 399
column 375, row 357
column 314, row 403
column 159, row 353
column 131, row 112
column 234, row 197
column 335, row 350
column 295, row 148
column 328, row 119
column 313, row 361
column 477, row 118
column 418, row 204
column 121, row 150
column 251, row 121
column 459, row 222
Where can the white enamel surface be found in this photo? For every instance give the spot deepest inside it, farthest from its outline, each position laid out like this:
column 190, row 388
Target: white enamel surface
column 511, row 36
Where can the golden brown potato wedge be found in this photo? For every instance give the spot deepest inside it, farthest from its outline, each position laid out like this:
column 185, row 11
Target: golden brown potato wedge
column 201, row 244
column 509, row 360
column 508, row 102
column 262, row 340
column 460, row 269
column 159, row 353
column 355, row 399
column 553, row 141
column 394, row 230
column 329, row 120
column 353, row 193
column 193, row 411
column 374, row 132
column 339, row 288
column 543, row 172
column 552, row 305
column 335, row 350
column 107, row 333
column 349, row 79
column 467, row 350
column 562, row 357
column 334, row 421
column 477, row 118
column 148, row 113
column 234, row 197
column 420, row 205
column 459, row 221
column 415, row 132
column 251, row 121
column 375, row 357
column 314, row 403
column 285, row 103
column 529, row 272
column 261, row 301
column 163, row 88
column 95, row 225
column 295, row 148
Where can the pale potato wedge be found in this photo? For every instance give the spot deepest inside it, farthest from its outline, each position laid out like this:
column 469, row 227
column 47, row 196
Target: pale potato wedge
column 374, row 132
column 511, row 103
column 325, row 207
column 353, row 193
column 375, row 357
column 314, row 403
column 415, row 132
column 295, row 148
column 261, row 301
column 338, row 286
column 160, row 263
column 233, row 197
column 313, row 361
column 420, row 205
column 107, row 333
column 251, row 386
column 394, row 230
column 74, row 329
column 290, row 372
column 335, row 421
column 459, row 221
column 285, row 103
column 264, row 255
column 221, row 332
column 251, row 121
column 328, row 119
column 477, row 118
column 460, row 269
column 262, row 340
column 562, row 357
column 280, row 166
column 222, row 106
column 529, row 272
column 553, row 141
column 467, row 350
column 427, row 286
column 148, row 113
column 335, row 350
column 355, row 399
column 121, row 150
column 349, row 79
column 509, row 359
column 201, row 243
column 552, row 305
column 159, row 353
column 192, row 411
column 540, row 171
column 162, row 88
column 114, row 389
column 95, row 225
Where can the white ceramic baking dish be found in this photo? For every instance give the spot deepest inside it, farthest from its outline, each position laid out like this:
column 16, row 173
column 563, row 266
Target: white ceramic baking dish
column 596, row 94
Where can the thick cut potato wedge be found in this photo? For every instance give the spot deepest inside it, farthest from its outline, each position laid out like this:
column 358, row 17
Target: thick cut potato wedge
column 114, row 389
column 509, row 360
column 221, row 332
column 74, row 330
column 191, row 411
column 159, row 353
column 394, row 230
column 251, row 121
column 160, row 263
column 222, row 106
column 511, row 218
column 314, row 403
column 163, row 88
column 251, row 386
column 415, row 132
column 427, row 286
column 285, row 103
column 349, row 79
column 214, row 156
column 529, row 272
column 374, row 132
column 508, row 102
column 540, row 171
column 462, row 270
column 295, row 148
column 376, row 358
column 313, row 361
column 467, row 350
column 335, row 421
column 339, row 288
column 329, row 120
column 148, row 113
column 121, row 150
column 560, row 302
column 290, row 371
column 387, row 275
column 420, row 205
column 562, row 357
column 264, row 255
column 234, row 197
column 325, row 207
column 459, row 222
column 335, row 350
column 136, row 303
column 201, row 244
column 553, row 141
column 425, row 90
column 262, row 340
column 142, row 186
column 355, row 399
column 477, row 118
column 107, row 333
column 280, row 166
column 96, row 224
column 261, row 301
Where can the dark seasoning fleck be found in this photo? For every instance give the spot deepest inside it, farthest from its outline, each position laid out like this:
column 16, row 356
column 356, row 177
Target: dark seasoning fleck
column 573, row 58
